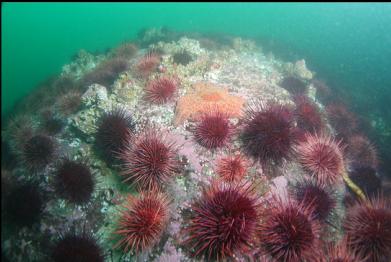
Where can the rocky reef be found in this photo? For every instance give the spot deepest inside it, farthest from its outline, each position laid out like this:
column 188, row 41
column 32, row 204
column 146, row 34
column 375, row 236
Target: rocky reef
column 183, row 148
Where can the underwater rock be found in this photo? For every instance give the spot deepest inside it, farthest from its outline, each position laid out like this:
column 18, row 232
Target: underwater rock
column 243, row 45
column 95, row 100
column 298, row 69
column 84, row 122
column 191, row 46
column 82, row 63
column 95, row 95
column 227, row 74
column 301, row 70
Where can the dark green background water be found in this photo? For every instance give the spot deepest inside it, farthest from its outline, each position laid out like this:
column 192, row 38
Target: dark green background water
column 349, row 45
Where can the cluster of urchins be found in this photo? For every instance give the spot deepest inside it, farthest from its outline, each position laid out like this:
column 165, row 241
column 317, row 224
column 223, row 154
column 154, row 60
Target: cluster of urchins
column 230, row 218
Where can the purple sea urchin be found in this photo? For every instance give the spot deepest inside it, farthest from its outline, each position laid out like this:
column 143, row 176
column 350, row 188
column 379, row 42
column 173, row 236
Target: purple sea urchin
column 106, row 72
column 343, row 121
column 126, row 50
column 74, row 181
column 182, row 58
column 268, row 134
column 77, row 247
column 315, row 195
column 39, row 151
column 361, row 152
column 24, row 205
column 114, row 129
column 69, row 102
column 294, row 85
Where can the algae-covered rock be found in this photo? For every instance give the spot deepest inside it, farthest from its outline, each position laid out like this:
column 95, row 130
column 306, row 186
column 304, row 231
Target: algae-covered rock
column 95, row 101
column 95, row 95
column 83, row 63
column 301, row 70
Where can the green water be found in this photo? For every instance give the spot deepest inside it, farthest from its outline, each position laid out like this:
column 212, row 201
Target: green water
column 348, row 44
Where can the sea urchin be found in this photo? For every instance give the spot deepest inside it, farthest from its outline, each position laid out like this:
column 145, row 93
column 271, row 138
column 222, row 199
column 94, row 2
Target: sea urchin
column 308, row 115
column 340, row 253
column 39, row 151
column 321, row 199
column 148, row 64
column 150, row 160
column 322, row 157
column 213, row 130
column 343, row 121
column 74, row 181
column 223, row 221
column 114, row 129
column 160, row 90
column 142, row 221
column 77, row 247
column 24, row 205
column 361, row 152
column 232, row 168
column 368, row 230
column 268, row 133
column 289, row 232
column 294, row 85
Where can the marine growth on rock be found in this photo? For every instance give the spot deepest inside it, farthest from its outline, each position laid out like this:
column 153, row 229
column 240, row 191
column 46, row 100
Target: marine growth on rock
column 189, row 147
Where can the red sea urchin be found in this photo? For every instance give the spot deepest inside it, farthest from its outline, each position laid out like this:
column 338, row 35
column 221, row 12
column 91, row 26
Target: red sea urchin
column 114, row 129
column 368, row 230
column 74, row 181
column 308, row 115
column 269, row 133
column 78, row 248
column 147, row 64
column 150, row 160
column 321, row 199
column 213, row 130
column 223, row 221
column 340, row 253
column 322, row 157
column 160, row 90
column 232, row 168
column 142, row 221
column 289, row 232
